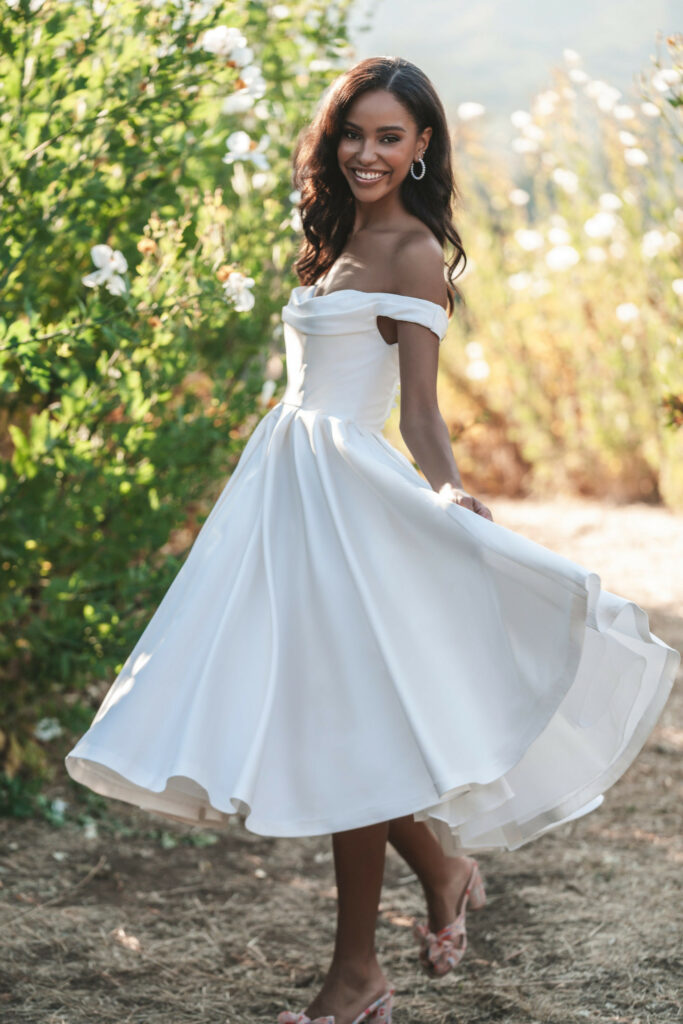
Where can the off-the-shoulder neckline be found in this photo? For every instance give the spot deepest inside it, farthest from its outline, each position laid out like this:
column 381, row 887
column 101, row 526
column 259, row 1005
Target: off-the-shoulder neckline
column 359, row 291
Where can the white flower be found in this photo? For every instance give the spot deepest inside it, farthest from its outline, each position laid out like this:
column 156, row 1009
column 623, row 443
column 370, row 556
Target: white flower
column 111, row 263
column 677, row 285
column 626, row 312
column 519, row 196
column 520, row 118
column 254, row 82
column 545, row 103
column 635, row 157
column 558, row 236
column 623, row 112
column 604, row 95
column 237, row 102
column 191, row 10
column 600, row 225
column 656, row 241
column 236, row 288
column 240, row 147
column 571, row 57
column 473, row 350
column 222, row 40
column 477, row 369
column 518, row 282
column 533, row 131
column 468, row 111
column 47, row 729
column 280, row 11
column 567, row 180
column 596, row 254
column 259, row 179
column 578, row 75
column 609, row 201
column 652, row 243
column 562, row 257
column 650, row 109
column 627, row 138
column 666, row 78
column 528, row 239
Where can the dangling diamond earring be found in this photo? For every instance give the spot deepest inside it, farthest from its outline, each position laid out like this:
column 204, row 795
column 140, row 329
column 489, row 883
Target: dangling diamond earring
column 418, row 177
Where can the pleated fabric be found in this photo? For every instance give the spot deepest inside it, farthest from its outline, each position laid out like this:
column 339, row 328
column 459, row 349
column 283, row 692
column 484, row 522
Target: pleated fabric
column 341, row 646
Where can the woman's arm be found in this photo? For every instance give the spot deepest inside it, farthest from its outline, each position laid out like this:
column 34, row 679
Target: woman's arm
column 419, row 272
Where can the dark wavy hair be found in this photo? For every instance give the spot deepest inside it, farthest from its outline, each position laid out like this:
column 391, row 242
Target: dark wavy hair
column 327, row 206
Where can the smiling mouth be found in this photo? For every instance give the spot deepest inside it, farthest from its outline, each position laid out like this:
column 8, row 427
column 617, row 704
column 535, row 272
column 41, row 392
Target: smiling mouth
column 367, row 175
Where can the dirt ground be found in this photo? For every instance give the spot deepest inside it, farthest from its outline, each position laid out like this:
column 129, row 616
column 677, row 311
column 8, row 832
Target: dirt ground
column 125, row 917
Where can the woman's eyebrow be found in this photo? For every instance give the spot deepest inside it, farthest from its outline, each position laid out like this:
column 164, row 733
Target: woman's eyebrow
column 384, row 128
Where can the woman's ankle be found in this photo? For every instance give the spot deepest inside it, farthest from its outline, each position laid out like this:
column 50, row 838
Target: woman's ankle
column 355, row 971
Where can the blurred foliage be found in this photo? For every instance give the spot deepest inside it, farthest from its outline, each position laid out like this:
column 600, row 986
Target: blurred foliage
column 565, row 370
column 123, row 409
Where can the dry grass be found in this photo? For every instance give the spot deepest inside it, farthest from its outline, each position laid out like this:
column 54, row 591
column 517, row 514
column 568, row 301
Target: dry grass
column 580, row 926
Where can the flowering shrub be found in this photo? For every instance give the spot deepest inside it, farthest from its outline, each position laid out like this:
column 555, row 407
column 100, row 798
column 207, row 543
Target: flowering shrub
column 565, row 370
column 148, row 235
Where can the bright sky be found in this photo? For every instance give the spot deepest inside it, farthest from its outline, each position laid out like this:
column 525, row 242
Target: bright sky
column 500, row 52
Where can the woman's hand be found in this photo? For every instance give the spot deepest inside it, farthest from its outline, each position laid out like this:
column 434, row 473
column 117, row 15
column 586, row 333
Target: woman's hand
column 460, row 497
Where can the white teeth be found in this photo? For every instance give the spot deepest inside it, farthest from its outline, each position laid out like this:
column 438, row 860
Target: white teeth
column 368, row 177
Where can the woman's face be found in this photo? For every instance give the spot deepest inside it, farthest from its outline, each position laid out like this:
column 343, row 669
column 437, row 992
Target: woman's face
column 378, row 135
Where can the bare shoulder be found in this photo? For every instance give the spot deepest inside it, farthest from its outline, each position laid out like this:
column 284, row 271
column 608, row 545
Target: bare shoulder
column 418, row 267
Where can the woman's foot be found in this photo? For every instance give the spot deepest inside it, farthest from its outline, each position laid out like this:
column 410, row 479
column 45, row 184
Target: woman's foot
column 347, row 991
column 445, row 899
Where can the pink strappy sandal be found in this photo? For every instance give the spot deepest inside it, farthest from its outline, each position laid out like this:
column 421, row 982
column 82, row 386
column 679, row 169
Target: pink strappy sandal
column 378, row 1012
column 441, row 951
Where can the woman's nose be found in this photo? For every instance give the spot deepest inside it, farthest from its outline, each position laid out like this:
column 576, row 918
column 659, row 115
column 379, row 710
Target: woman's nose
column 367, row 152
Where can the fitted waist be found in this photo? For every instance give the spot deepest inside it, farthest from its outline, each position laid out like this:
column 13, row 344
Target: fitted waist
column 365, row 422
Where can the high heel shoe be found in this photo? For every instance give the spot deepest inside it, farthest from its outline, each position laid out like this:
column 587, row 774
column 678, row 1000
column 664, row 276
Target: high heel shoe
column 441, row 951
column 378, row 1012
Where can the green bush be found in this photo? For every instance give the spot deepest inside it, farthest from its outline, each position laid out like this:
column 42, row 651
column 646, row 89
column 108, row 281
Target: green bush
column 150, row 136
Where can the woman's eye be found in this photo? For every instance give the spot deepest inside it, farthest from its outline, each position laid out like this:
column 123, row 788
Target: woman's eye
column 391, row 138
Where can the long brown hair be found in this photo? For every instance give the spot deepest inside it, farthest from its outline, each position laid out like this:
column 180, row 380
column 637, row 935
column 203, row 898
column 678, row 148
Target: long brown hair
column 327, row 206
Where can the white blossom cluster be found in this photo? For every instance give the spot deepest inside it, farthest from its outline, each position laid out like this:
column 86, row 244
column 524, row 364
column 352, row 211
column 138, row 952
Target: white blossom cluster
column 111, row 263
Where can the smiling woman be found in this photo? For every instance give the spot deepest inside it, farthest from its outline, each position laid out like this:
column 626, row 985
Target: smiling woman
column 351, row 646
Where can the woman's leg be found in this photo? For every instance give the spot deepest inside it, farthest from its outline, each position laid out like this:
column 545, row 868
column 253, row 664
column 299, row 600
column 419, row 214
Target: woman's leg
column 443, row 878
column 354, row 978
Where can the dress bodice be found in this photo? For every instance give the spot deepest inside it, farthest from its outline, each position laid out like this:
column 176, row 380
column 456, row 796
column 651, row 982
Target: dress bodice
column 337, row 360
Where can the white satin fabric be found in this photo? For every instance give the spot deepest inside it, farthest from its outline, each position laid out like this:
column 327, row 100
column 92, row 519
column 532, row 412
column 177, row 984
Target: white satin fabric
column 342, row 647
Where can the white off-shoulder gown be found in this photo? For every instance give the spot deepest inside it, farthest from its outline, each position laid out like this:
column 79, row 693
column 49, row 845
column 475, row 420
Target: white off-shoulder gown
column 342, row 647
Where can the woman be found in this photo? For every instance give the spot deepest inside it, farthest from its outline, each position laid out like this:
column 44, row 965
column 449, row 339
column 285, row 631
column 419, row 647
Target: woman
column 351, row 647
